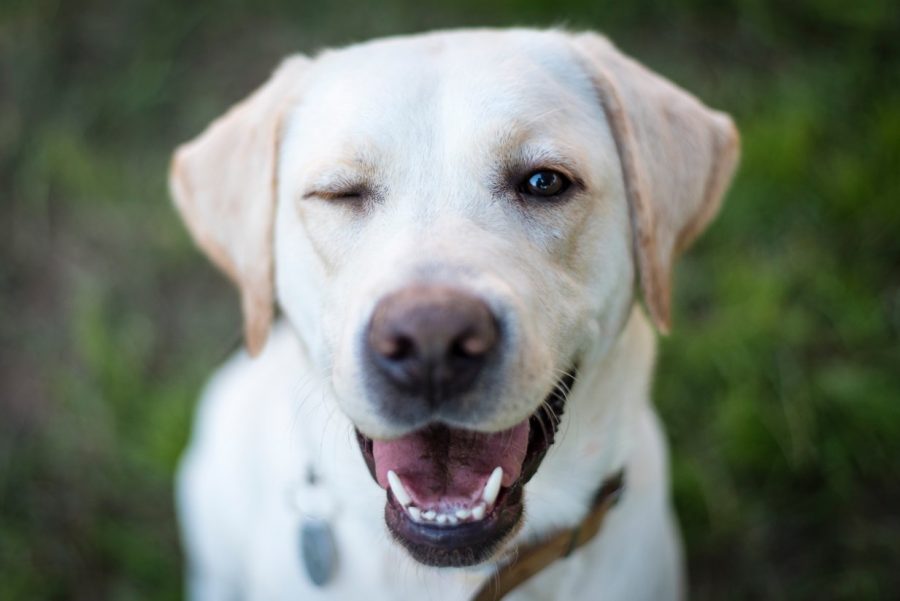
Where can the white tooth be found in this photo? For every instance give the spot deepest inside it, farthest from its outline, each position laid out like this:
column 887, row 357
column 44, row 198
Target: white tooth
column 478, row 512
column 453, row 520
column 463, row 514
column 429, row 515
column 414, row 513
column 492, row 488
column 397, row 488
column 442, row 519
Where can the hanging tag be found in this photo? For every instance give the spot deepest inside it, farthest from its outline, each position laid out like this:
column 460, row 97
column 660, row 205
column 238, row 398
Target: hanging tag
column 318, row 547
column 318, row 550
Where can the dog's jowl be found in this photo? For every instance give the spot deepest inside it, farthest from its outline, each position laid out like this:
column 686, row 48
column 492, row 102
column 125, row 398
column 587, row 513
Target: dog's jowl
column 470, row 236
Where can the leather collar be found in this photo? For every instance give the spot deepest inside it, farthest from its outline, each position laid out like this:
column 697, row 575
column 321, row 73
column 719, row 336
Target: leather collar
column 532, row 559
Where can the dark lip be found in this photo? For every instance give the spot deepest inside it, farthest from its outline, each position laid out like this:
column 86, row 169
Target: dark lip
column 475, row 542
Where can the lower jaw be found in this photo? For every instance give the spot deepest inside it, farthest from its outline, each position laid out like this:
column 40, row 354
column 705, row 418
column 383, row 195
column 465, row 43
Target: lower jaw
column 472, row 543
column 460, row 546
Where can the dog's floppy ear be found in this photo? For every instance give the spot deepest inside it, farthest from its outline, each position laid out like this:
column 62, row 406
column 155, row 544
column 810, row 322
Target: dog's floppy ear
column 677, row 156
column 224, row 185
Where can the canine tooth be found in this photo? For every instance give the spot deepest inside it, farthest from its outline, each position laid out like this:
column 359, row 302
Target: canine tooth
column 415, row 513
column 478, row 512
column 492, row 488
column 429, row 515
column 442, row 519
column 397, row 488
column 463, row 513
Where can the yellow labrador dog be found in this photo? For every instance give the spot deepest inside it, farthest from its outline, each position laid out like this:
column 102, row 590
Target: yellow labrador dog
column 455, row 226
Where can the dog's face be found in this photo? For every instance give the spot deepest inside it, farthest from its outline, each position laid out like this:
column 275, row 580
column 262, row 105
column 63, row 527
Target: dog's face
column 435, row 176
column 453, row 220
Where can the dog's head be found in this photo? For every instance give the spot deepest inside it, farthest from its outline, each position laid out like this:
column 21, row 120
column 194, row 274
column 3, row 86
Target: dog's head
column 450, row 222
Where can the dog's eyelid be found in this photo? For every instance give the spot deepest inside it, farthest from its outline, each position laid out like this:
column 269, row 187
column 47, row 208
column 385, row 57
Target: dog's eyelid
column 532, row 161
column 348, row 193
column 338, row 187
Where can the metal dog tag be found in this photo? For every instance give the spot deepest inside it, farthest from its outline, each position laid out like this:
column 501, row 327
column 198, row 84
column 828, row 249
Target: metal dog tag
column 318, row 547
column 318, row 550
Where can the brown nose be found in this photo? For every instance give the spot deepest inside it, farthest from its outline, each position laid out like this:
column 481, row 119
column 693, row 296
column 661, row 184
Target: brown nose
column 431, row 340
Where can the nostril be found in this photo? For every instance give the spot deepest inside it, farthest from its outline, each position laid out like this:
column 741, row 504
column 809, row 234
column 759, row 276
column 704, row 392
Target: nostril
column 470, row 346
column 394, row 348
column 399, row 348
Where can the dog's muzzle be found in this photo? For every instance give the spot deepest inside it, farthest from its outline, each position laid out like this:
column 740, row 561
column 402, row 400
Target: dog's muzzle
column 454, row 496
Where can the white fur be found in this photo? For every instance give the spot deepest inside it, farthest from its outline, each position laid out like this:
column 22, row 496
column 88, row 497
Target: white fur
column 262, row 420
column 426, row 119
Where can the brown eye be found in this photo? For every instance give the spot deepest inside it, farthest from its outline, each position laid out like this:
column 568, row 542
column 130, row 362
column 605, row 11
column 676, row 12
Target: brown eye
column 545, row 183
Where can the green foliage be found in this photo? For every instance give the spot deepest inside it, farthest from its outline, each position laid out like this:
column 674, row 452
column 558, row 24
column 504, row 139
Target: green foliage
column 778, row 389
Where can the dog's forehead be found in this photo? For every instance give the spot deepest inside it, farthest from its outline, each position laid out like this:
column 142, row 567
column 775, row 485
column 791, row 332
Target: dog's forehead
column 470, row 83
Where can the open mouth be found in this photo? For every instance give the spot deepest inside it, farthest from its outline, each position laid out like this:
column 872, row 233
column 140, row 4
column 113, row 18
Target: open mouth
column 454, row 496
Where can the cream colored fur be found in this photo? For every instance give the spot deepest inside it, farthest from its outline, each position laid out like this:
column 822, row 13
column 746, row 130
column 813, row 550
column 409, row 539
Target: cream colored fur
column 426, row 123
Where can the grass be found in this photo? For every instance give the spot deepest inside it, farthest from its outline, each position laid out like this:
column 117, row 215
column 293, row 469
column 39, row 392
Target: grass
column 779, row 387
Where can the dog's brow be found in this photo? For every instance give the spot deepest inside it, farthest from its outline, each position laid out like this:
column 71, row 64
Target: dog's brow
column 536, row 154
column 519, row 131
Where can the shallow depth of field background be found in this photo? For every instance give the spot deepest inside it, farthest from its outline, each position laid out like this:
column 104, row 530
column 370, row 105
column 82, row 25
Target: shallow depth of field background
column 779, row 387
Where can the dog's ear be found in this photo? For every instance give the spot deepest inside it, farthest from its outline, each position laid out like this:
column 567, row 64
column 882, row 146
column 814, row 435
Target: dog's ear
column 677, row 156
column 224, row 185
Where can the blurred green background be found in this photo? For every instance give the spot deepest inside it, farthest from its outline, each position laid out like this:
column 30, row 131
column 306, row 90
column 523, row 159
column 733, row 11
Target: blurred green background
column 779, row 387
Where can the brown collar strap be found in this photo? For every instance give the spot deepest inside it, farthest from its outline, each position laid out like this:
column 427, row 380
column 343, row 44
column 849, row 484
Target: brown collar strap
column 534, row 558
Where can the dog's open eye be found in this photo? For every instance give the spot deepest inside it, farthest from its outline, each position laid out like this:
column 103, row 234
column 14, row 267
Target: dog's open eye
column 544, row 183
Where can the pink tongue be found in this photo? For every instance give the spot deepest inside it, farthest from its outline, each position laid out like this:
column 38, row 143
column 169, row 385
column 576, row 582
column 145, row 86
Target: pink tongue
column 441, row 463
